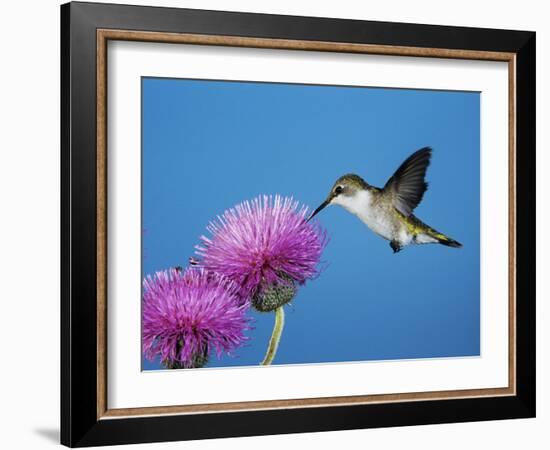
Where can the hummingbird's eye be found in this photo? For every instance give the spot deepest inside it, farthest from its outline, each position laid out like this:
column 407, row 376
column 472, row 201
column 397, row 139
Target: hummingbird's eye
column 338, row 190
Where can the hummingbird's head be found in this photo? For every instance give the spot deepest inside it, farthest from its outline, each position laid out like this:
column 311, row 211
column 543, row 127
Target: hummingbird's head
column 343, row 191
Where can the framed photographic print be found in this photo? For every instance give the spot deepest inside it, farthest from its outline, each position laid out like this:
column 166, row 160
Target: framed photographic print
column 276, row 224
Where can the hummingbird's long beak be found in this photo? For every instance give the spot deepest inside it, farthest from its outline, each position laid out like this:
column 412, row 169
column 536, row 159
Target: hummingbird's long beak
column 320, row 208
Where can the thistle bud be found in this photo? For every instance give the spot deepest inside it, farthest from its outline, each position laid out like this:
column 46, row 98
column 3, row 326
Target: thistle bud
column 197, row 360
column 270, row 297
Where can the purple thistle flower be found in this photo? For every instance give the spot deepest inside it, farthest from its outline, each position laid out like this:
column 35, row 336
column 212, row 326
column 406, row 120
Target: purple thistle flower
column 188, row 313
column 267, row 247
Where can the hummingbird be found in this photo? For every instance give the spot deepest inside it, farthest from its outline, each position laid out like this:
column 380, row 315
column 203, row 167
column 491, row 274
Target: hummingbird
column 388, row 211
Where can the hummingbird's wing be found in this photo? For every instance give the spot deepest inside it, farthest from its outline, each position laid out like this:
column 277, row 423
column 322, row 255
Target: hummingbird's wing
column 406, row 187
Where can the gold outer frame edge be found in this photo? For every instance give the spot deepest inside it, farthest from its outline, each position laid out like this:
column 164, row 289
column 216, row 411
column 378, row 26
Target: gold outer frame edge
column 103, row 36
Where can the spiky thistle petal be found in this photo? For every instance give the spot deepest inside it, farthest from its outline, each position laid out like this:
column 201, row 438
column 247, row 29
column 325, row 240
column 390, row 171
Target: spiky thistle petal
column 187, row 314
column 266, row 246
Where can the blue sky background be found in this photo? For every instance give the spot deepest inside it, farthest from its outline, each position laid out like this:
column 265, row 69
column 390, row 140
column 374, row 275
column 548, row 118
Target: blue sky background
column 208, row 145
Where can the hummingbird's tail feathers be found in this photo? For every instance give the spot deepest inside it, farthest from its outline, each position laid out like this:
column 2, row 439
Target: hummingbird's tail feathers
column 445, row 240
column 424, row 234
column 440, row 238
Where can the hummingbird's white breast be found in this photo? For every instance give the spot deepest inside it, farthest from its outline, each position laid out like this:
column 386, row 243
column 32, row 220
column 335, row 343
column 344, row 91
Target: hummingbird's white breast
column 371, row 213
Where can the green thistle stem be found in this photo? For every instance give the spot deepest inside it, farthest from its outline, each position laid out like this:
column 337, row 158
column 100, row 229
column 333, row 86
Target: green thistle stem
column 275, row 336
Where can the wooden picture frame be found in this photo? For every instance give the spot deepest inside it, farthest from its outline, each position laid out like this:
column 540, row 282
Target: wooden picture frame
column 86, row 418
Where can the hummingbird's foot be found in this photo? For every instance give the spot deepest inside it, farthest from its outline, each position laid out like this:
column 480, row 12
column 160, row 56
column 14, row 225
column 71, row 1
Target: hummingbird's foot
column 395, row 246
